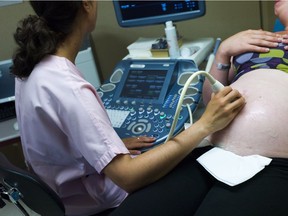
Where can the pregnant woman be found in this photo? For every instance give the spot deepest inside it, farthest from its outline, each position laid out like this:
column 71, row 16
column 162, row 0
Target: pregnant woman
column 261, row 76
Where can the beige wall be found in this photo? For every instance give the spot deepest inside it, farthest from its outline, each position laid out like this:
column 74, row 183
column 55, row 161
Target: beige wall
column 222, row 19
column 9, row 17
column 268, row 17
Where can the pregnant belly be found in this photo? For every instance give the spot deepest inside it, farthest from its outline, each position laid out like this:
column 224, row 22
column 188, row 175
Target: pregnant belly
column 262, row 126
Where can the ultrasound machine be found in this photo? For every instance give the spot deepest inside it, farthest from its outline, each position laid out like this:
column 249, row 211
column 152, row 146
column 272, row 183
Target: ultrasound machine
column 7, row 93
column 8, row 123
column 141, row 95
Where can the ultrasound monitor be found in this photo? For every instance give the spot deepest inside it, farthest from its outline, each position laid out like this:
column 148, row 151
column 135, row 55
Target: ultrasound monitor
column 141, row 13
column 7, row 82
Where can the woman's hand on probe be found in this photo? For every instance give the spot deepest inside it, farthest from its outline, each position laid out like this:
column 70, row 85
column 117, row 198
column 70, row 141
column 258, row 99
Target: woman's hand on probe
column 222, row 109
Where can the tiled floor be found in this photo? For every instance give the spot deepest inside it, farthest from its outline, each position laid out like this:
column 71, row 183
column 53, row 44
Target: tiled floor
column 10, row 210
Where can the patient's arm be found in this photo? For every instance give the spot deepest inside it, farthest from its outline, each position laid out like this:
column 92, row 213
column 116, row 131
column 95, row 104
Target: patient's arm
column 245, row 41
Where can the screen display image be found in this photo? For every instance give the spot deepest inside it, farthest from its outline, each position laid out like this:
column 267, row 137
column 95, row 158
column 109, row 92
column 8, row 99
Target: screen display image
column 138, row 13
column 140, row 9
column 144, row 84
column 7, row 82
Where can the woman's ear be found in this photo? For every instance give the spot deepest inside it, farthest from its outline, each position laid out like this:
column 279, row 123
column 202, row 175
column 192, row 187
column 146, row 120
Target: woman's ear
column 87, row 5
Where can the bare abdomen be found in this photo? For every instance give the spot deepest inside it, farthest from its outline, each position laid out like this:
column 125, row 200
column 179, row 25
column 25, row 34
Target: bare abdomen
column 262, row 125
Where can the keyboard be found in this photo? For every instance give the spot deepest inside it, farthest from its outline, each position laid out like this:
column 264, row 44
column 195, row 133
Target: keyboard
column 7, row 111
column 117, row 117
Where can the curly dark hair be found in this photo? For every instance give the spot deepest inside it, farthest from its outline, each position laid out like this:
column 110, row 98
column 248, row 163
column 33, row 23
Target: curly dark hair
column 40, row 35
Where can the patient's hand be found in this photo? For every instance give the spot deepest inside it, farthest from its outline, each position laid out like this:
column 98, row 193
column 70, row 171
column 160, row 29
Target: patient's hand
column 250, row 41
column 133, row 144
column 285, row 41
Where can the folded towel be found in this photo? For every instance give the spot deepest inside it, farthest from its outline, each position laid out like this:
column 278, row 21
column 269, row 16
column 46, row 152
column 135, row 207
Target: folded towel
column 230, row 168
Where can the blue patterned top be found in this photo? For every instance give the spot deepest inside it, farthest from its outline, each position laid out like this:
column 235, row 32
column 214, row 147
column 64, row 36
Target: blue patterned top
column 276, row 58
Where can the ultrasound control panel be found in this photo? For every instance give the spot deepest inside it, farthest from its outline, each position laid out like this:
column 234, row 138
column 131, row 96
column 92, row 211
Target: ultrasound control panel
column 141, row 96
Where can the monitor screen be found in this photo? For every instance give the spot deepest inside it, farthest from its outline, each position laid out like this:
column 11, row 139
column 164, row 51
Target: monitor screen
column 139, row 13
column 144, row 84
column 7, row 82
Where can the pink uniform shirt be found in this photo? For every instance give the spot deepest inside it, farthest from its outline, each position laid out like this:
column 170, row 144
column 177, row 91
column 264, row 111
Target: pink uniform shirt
column 67, row 136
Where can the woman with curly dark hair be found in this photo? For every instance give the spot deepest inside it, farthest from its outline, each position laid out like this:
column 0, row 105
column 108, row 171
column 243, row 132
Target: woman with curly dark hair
column 67, row 137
